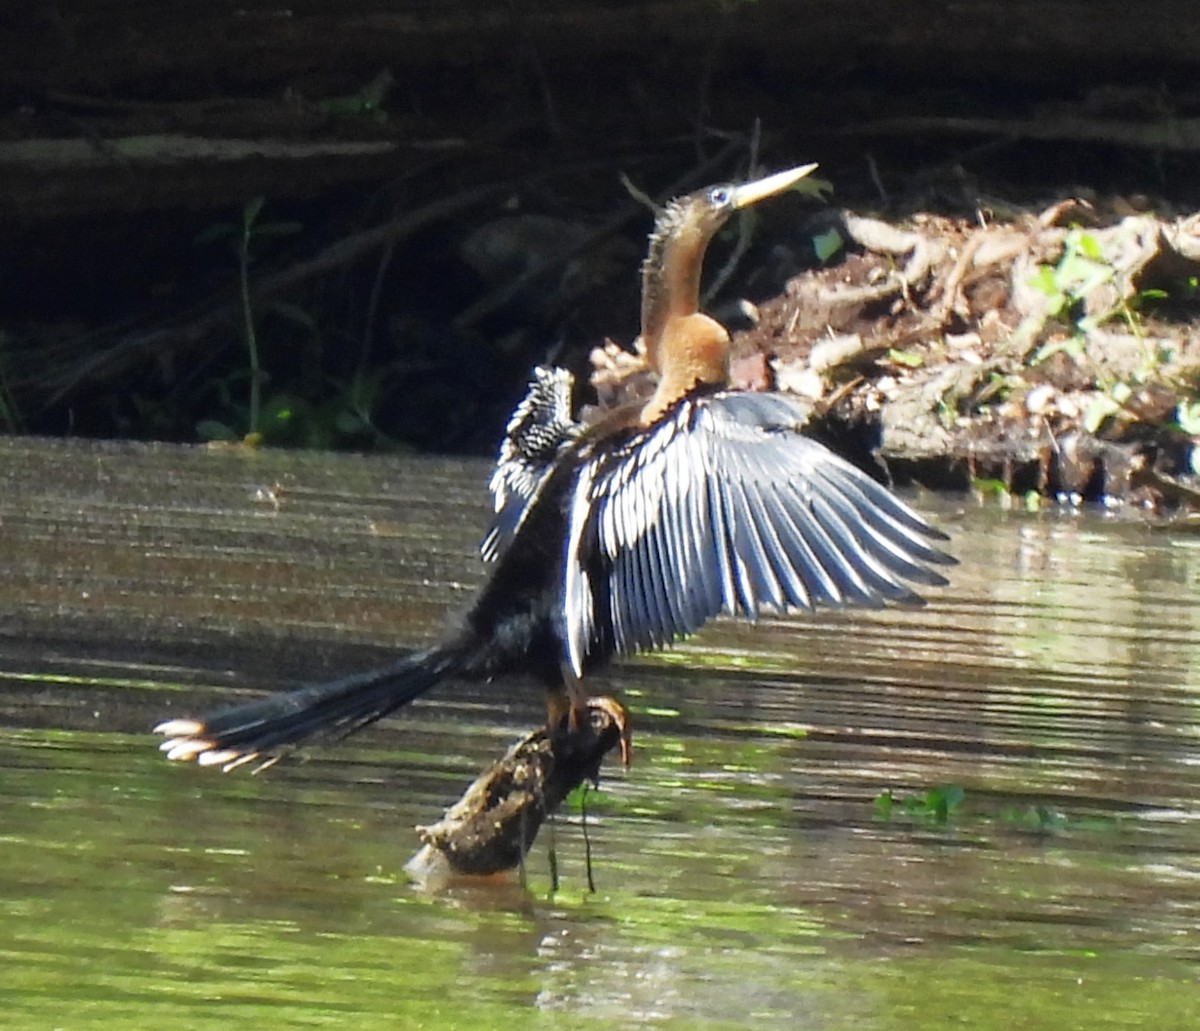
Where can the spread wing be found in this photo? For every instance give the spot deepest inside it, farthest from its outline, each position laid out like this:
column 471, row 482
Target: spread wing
column 539, row 428
column 723, row 506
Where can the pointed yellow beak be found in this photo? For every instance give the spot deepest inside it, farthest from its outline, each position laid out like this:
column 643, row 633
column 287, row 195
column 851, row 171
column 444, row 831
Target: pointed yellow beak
column 750, row 193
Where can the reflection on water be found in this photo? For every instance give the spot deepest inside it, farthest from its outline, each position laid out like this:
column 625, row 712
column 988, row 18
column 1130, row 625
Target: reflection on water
column 747, row 878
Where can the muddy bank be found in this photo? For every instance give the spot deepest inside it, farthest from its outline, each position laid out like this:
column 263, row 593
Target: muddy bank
column 1054, row 351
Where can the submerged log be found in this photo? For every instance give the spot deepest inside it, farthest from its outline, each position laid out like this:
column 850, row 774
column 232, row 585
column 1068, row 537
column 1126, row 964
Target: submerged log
column 492, row 827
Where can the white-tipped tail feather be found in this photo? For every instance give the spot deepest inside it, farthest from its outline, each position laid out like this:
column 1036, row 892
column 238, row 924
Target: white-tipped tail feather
column 261, row 730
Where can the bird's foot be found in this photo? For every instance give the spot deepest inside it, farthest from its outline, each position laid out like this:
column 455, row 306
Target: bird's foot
column 580, row 728
column 604, row 707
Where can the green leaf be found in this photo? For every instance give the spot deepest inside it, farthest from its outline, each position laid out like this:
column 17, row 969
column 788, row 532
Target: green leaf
column 283, row 408
column 1088, row 246
column 1072, row 345
column 826, row 245
column 251, row 211
column 1101, row 407
column 988, row 486
column 213, row 429
column 217, row 231
column 812, row 186
column 1045, row 281
column 294, row 313
column 908, row 358
column 1187, row 417
column 349, row 422
column 278, row 228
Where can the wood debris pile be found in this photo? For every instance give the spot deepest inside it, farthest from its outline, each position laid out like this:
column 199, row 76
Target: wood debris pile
column 1053, row 353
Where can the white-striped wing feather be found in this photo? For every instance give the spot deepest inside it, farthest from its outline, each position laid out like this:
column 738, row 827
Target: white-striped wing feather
column 725, row 506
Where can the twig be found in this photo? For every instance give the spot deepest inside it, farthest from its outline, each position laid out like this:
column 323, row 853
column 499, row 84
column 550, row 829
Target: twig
column 368, row 341
column 745, row 223
column 704, row 86
column 539, row 68
column 877, row 180
column 638, row 194
column 552, row 853
column 587, row 841
column 1173, row 134
column 949, row 299
column 219, row 313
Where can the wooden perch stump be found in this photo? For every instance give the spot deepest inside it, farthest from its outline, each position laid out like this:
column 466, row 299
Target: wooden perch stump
column 491, row 828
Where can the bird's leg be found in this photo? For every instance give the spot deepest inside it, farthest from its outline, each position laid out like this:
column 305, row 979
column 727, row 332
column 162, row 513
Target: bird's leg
column 568, row 703
column 560, row 720
column 570, row 712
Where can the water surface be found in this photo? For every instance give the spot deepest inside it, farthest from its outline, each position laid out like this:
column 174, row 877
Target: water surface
column 747, row 874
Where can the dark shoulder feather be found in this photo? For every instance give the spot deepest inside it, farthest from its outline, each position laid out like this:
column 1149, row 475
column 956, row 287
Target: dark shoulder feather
column 538, row 430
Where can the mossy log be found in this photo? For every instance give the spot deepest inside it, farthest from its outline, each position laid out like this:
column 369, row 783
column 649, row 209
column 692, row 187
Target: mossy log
column 492, row 827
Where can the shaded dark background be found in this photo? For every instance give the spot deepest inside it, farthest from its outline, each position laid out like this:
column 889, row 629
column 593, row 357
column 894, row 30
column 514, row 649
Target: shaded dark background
column 402, row 291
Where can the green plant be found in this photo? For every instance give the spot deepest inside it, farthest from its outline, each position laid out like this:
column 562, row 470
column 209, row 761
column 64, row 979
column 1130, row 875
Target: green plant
column 243, row 236
column 10, row 415
column 1080, row 269
column 1039, row 818
column 909, row 359
column 1187, row 417
column 937, row 805
column 368, row 102
column 287, row 418
column 827, row 244
column 989, row 486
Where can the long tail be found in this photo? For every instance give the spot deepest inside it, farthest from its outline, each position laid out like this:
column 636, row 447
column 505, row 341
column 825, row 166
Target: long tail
column 263, row 729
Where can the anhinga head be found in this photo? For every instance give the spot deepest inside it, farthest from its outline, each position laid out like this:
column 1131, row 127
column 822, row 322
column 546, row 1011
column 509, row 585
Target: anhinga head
column 684, row 346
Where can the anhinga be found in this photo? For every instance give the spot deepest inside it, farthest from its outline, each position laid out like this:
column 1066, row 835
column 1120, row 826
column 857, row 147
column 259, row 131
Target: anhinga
column 628, row 533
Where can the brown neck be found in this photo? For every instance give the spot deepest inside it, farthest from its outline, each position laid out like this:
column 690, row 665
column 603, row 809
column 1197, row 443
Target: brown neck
column 694, row 351
column 670, row 278
column 683, row 346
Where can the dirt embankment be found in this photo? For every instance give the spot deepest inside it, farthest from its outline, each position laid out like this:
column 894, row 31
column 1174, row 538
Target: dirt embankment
column 1056, row 352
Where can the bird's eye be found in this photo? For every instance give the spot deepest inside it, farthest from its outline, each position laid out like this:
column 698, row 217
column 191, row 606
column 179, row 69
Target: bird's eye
column 719, row 196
